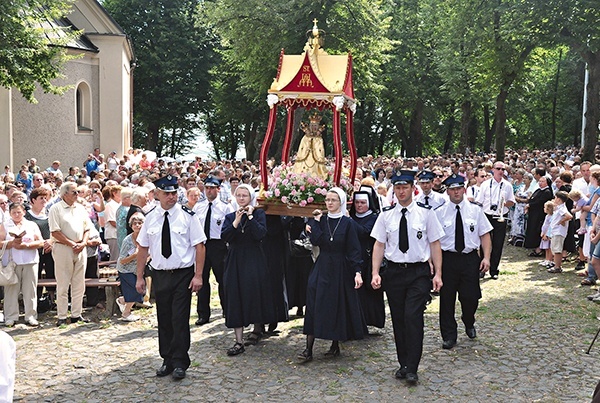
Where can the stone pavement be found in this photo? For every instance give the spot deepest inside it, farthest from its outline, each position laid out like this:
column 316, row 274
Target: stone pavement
column 533, row 329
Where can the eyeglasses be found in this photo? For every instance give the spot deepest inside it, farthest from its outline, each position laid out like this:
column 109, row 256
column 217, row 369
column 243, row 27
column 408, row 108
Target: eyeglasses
column 499, row 169
column 3, row 203
column 439, row 176
column 74, row 193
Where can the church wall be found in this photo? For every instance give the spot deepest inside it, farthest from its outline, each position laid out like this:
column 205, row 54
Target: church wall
column 47, row 130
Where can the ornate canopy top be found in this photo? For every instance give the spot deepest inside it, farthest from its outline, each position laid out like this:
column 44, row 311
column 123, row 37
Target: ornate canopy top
column 313, row 75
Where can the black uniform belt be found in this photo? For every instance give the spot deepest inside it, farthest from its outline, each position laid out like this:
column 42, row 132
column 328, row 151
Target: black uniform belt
column 394, row 265
column 461, row 253
column 173, row 270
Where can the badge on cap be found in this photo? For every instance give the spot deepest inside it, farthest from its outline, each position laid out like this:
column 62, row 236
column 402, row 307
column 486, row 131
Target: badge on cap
column 426, row 176
column 454, row 181
column 167, row 183
column 403, row 177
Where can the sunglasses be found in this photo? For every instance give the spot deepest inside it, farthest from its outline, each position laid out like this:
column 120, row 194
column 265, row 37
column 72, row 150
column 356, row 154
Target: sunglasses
column 500, row 169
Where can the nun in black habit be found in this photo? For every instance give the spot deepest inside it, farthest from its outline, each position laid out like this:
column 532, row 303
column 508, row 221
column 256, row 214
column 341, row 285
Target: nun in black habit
column 332, row 308
column 364, row 213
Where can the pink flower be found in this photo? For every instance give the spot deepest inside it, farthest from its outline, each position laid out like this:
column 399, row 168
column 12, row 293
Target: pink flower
column 284, row 199
column 302, row 203
column 302, row 188
column 285, row 182
column 310, row 199
column 277, row 193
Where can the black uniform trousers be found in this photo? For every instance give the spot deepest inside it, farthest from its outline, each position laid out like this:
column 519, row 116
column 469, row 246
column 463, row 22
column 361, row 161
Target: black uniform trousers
column 460, row 274
column 173, row 302
column 216, row 250
column 407, row 291
column 498, row 234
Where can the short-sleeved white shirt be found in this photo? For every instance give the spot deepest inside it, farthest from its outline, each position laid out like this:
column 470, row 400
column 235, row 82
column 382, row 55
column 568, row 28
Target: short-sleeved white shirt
column 475, row 224
column 423, row 229
column 186, row 233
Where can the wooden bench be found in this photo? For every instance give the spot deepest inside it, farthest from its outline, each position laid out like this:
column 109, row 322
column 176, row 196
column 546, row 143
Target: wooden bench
column 111, row 288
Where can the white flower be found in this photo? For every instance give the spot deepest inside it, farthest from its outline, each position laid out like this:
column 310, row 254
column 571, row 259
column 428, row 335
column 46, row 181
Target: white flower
column 338, row 102
column 272, row 99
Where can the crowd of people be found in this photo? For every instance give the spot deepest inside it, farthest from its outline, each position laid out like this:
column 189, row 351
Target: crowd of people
column 415, row 226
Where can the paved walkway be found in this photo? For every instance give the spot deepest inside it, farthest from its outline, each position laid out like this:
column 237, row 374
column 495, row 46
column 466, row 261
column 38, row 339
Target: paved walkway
column 533, row 330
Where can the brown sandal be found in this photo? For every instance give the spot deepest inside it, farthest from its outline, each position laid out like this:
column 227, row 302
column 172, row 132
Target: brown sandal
column 587, row 281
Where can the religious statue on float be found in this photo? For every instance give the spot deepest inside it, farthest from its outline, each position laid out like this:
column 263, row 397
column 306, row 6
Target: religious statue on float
column 310, row 158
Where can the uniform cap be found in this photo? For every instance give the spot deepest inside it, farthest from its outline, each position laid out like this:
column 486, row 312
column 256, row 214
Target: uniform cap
column 403, row 177
column 167, row 183
column 454, row 181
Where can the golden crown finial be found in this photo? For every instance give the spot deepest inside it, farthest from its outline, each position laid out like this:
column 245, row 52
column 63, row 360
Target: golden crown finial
column 315, row 117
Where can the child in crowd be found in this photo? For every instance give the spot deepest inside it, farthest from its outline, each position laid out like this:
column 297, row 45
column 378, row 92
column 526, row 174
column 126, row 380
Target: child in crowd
column 546, row 235
column 558, row 227
column 579, row 201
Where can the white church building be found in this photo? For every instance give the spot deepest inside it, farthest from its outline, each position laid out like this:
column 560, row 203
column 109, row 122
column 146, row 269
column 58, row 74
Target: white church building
column 95, row 112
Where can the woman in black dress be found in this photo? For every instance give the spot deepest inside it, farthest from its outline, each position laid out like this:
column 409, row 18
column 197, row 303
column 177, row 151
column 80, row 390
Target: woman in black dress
column 332, row 307
column 246, row 283
column 364, row 214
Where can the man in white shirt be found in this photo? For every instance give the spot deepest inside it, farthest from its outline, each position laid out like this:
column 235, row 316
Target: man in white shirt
column 496, row 197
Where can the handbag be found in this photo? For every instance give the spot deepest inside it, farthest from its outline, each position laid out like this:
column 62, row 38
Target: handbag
column 7, row 273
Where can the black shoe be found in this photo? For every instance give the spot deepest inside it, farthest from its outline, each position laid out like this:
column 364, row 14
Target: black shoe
column 201, row 321
column 448, row 344
column 238, row 348
column 61, row 322
column 80, row 319
column 333, row 352
column 481, row 274
column 165, row 370
column 305, row 356
column 412, row 378
column 471, row 333
column 401, row 373
column 494, row 277
column 178, row 374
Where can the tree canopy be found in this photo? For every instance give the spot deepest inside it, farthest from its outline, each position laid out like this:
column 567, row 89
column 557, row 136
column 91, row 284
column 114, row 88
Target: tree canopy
column 431, row 76
column 31, row 54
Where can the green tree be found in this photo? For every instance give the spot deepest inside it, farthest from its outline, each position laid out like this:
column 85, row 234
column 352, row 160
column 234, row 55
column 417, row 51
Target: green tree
column 174, row 54
column 32, row 51
column 576, row 24
column 253, row 32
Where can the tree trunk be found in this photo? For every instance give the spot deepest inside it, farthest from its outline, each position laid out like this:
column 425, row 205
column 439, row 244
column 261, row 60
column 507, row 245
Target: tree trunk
column 153, row 135
column 555, row 98
column 416, row 130
column 403, row 137
column 473, row 133
column 450, row 131
column 489, row 130
column 592, row 114
column 500, row 123
column 465, row 121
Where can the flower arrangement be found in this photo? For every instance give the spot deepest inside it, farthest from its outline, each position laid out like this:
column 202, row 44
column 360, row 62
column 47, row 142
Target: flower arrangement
column 288, row 187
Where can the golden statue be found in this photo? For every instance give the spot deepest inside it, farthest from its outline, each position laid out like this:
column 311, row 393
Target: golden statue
column 311, row 153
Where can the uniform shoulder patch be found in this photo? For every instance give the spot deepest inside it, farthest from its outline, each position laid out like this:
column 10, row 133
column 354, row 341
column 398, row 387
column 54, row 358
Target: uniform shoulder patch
column 187, row 210
column 388, row 208
column 476, row 203
column 428, row 207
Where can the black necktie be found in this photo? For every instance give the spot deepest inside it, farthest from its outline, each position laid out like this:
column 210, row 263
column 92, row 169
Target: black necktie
column 207, row 221
column 166, row 237
column 459, row 232
column 427, row 200
column 403, row 242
